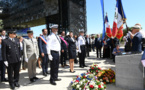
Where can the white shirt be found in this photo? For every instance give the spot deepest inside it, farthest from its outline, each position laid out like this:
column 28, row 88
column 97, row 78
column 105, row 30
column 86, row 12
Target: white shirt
column 21, row 45
column 81, row 41
column 53, row 43
column 3, row 37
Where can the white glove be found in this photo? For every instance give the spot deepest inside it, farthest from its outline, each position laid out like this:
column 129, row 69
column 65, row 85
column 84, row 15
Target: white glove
column 20, row 59
column 26, row 60
column 6, row 63
column 79, row 51
column 37, row 57
column 50, row 57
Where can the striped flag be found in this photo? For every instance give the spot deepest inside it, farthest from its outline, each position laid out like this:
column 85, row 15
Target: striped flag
column 108, row 29
column 114, row 31
column 121, row 19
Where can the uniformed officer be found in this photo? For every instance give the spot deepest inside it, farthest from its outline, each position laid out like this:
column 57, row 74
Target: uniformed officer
column 82, row 49
column 53, row 49
column 31, row 54
column 11, row 56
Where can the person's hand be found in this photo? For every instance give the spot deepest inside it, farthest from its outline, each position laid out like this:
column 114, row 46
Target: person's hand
column 114, row 52
column 62, row 51
column 42, row 54
column 118, row 51
column 26, row 60
column 50, row 57
column 79, row 51
column 6, row 63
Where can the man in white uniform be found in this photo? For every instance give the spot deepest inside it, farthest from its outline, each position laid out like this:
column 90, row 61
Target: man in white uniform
column 53, row 50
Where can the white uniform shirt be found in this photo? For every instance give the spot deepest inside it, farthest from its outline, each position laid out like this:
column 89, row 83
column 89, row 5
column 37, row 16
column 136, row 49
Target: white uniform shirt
column 53, row 43
column 3, row 37
column 81, row 41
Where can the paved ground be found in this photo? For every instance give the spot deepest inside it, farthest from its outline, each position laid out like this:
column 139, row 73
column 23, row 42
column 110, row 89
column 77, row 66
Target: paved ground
column 64, row 74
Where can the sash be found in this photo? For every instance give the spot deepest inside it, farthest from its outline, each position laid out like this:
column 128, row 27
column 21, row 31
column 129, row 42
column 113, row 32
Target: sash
column 43, row 39
column 64, row 41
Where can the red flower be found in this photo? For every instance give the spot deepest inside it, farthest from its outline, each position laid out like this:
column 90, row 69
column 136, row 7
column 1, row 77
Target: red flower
column 99, row 86
column 84, row 76
column 95, row 65
column 91, row 86
column 92, row 67
column 96, row 70
column 99, row 68
column 77, row 81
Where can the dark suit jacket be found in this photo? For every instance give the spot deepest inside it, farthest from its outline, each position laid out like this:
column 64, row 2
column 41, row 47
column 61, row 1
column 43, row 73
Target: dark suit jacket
column 72, row 45
column 42, row 46
column 136, row 43
column 63, row 45
column 11, row 50
column 98, row 43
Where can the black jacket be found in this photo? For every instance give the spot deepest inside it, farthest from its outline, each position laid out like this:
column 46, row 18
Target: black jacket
column 88, row 44
column 42, row 46
column 63, row 45
column 11, row 50
column 72, row 45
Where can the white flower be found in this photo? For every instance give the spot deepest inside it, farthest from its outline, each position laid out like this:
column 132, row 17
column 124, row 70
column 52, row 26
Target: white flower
column 78, row 86
column 96, row 86
column 80, row 89
column 101, row 80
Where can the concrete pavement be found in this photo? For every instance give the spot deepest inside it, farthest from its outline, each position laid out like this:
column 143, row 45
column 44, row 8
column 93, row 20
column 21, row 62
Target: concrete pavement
column 44, row 84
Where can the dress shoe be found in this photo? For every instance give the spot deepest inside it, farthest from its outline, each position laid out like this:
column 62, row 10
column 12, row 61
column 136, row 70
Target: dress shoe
column 85, row 66
column 4, row 80
column 57, row 79
column 81, row 67
column 16, row 84
column 32, row 80
column 12, row 86
column 35, row 78
column 47, row 72
column 44, row 74
column 66, row 65
column 52, row 83
column 73, row 71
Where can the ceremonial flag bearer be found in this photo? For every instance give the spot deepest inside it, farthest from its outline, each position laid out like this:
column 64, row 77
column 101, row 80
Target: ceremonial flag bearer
column 53, row 50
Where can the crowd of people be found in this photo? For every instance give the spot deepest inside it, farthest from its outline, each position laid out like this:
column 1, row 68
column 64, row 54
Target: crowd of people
column 18, row 52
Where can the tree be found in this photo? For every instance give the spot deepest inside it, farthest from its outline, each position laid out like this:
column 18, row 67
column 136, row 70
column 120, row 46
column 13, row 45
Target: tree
column 1, row 24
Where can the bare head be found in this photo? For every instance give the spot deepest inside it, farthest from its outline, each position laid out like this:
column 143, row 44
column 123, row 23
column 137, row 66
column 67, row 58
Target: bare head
column 3, row 32
column 44, row 31
column 63, row 33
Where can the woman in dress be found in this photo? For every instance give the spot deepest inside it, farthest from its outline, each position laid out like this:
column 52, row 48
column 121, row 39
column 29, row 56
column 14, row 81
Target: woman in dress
column 71, row 51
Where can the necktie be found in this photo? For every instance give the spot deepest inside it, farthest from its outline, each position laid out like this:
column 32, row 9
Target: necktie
column 13, row 40
column 57, row 38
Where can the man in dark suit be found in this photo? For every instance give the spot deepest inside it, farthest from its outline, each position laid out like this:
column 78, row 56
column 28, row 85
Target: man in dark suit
column 42, row 42
column 11, row 56
column 64, row 47
column 98, row 45
column 136, row 39
column 88, row 45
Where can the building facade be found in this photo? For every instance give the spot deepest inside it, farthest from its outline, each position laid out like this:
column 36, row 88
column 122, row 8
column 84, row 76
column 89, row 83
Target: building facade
column 70, row 15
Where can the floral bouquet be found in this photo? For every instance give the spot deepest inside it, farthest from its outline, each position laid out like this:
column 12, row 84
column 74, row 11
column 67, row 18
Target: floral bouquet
column 87, row 81
column 106, row 76
column 94, row 69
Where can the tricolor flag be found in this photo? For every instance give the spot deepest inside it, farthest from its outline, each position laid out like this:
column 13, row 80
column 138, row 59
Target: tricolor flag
column 114, row 31
column 121, row 19
column 108, row 29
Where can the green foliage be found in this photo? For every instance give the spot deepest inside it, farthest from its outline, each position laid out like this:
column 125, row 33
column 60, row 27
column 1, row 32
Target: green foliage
column 1, row 24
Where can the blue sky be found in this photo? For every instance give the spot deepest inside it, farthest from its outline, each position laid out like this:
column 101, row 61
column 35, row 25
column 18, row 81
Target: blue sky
column 134, row 10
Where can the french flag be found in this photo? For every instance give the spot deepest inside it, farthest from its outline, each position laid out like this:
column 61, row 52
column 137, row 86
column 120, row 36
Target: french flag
column 120, row 20
column 114, row 30
column 108, row 29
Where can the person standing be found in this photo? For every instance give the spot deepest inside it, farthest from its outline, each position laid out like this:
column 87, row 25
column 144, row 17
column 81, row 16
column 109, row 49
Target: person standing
column 31, row 54
column 2, row 65
column 93, row 43
column 42, row 42
column 136, row 39
column 3, row 34
column 82, row 49
column 88, row 45
column 11, row 56
column 53, row 50
column 64, row 47
column 71, row 51
column 98, row 45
